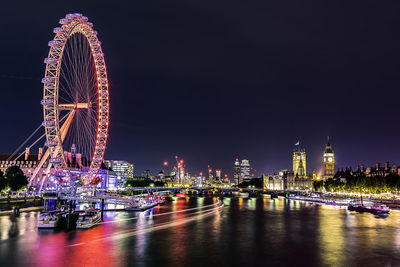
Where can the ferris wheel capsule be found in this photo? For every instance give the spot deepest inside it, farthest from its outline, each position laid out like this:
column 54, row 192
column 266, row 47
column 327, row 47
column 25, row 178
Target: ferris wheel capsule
column 58, row 30
column 47, row 80
column 54, row 43
column 48, row 101
column 64, row 21
column 50, row 60
column 48, row 123
column 72, row 16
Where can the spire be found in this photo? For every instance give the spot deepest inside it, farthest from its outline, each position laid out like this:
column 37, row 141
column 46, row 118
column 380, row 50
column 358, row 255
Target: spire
column 328, row 148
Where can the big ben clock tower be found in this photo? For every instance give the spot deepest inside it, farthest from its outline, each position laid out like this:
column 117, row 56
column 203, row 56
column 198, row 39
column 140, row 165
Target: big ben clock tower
column 329, row 161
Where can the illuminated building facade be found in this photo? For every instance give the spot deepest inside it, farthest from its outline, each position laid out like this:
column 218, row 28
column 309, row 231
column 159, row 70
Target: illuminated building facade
column 27, row 164
column 299, row 162
column 272, row 182
column 329, row 161
column 78, row 167
column 292, row 182
column 236, row 172
column 218, row 179
column 245, row 170
column 123, row 170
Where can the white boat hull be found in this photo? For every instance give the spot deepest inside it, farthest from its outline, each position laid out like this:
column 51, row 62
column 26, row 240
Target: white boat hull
column 47, row 224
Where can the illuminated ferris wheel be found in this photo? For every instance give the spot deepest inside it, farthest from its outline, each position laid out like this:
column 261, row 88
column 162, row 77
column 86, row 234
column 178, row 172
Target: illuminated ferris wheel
column 75, row 97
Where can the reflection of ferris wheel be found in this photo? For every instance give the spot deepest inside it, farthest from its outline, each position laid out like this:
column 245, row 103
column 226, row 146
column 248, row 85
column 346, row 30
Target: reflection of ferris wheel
column 75, row 99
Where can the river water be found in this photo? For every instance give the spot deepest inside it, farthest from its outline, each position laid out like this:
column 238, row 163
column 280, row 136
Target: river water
column 210, row 232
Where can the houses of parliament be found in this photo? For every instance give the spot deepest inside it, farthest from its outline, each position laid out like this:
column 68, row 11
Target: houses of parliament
column 300, row 163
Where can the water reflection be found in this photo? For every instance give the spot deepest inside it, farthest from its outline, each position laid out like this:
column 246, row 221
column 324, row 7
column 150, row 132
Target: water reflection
column 331, row 236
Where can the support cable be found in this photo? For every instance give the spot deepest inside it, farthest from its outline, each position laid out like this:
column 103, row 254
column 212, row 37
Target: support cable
column 26, row 140
column 34, row 143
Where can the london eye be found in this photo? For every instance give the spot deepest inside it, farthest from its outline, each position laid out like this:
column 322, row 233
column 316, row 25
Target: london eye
column 75, row 98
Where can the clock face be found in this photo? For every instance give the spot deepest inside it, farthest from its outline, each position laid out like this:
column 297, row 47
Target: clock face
column 298, row 157
column 330, row 159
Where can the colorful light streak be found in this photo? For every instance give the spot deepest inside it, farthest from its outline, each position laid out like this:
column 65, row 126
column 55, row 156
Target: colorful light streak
column 215, row 208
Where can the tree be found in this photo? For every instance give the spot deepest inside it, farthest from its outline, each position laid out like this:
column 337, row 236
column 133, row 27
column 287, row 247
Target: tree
column 3, row 181
column 318, row 185
column 15, row 178
column 329, row 184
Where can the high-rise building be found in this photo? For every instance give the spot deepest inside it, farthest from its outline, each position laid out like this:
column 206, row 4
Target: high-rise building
column 236, row 172
column 329, row 161
column 123, row 169
column 299, row 162
column 245, row 169
column 210, row 176
column 218, row 175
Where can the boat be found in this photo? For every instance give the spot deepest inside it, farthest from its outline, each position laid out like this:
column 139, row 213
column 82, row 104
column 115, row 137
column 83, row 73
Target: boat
column 88, row 218
column 355, row 207
column 371, row 208
column 379, row 209
column 145, row 203
column 51, row 219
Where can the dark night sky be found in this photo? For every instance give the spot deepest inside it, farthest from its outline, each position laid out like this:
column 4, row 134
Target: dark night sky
column 212, row 80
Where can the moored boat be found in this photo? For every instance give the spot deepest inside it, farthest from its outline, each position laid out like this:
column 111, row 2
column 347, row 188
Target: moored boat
column 378, row 209
column 50, row 219
column 355, row 207
column 88, row 218
column 145, row 203
column 381, row 208
column 372, row 208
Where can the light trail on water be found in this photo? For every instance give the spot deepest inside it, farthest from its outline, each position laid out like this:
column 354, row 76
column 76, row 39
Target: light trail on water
column 216, row 208
column 162, row 214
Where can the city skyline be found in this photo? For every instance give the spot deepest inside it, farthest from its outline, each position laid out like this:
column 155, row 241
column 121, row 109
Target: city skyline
column 178, row 93
column 188, row 133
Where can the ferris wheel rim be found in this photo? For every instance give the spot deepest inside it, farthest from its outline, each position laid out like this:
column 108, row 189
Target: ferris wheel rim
column 72, row 24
